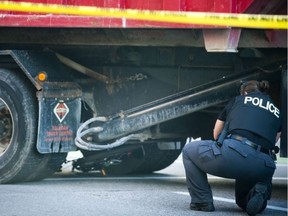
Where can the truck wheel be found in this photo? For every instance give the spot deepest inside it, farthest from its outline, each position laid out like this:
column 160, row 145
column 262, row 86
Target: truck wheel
column 145, row 158
column 113, row 162
column 130, row 161
column 19, row 159
column 151, row 159
column 156, row 159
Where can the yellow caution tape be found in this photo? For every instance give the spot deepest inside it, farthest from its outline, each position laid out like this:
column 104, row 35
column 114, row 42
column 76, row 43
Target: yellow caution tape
column 196, row 18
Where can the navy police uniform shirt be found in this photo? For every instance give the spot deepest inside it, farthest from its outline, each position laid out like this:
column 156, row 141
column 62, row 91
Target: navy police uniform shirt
column 253, row 116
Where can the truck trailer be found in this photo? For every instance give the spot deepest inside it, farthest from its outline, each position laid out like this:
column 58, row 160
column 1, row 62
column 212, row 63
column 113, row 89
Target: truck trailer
column 126, row 92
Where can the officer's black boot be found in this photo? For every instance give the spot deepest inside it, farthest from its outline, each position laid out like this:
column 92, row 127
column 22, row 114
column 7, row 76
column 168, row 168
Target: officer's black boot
column 206, row 207
column 258, row 200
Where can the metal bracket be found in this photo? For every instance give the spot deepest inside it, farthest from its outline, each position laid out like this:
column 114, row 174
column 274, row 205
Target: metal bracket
column 221, row 40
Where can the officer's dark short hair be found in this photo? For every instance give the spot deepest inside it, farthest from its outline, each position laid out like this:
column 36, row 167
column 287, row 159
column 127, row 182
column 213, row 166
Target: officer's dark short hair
column 254, row 86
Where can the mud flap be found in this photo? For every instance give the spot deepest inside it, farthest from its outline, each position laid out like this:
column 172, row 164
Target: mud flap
column 59, row 117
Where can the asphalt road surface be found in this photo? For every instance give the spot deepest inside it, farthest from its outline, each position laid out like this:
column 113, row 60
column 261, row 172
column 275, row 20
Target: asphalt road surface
column 160, row 194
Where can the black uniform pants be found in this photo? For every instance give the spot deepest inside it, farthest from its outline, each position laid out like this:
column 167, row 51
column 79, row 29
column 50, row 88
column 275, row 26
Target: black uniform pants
column 233, row 160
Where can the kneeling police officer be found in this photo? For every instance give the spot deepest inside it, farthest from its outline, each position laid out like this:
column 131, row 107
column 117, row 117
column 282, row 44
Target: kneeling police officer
column 245, row 132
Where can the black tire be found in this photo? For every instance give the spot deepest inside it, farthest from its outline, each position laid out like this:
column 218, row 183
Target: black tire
column 131, row 160
column 145, row 159
column 19, row 159
column 156, row 159
column 128, row 160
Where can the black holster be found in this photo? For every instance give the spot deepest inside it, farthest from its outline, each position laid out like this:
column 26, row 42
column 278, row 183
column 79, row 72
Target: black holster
column 222, row 135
